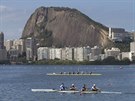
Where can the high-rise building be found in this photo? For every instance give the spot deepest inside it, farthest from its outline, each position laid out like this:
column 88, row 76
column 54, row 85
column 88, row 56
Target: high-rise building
column 52, row 53
column 133, row 36
column 78, row 54
column 1, row 40
column 81, row 53
column 86, row 52
column 95, row 53
column 3, row 52
column 132, row 50
column 69, row 53
column 19, row 45
column 132, row 47
column 31, row 50
column 42, row 53
column 58, row 53
column 8, row 44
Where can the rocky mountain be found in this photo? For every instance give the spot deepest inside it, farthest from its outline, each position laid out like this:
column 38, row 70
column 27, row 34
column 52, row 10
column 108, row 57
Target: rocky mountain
column 60, row 27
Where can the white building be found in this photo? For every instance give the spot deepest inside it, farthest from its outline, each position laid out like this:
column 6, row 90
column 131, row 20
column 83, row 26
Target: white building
column 112, row 52
column 55, row 53
column 8, row 44
column 67, row 53
column 58, row 53
column 95, row 53
column 132, row 56
column 78, row 54
column 43, row 53
column 19, row 45
column 14, row 48
column 63, row 54
column 129, row 55
column 132, row 51
column 96, row 50
column 52, row 53
column 81, row 53
column 132, row 47
column 125, row 55
column 86, row 52
column 134, row 35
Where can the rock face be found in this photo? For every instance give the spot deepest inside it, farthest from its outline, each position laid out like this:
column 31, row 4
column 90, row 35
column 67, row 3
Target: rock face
column 60, row 27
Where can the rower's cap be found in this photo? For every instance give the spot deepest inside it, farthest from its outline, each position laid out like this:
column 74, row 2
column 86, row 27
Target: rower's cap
column 72, row 84
column 94, row 84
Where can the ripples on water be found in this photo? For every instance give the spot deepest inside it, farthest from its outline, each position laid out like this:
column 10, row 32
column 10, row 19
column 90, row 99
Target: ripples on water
column 16, row 82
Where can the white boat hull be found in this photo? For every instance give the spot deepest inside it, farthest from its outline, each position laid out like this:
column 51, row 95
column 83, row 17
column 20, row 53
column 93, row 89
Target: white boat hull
column 55, row 74
column 44, row 90
column 72, row 91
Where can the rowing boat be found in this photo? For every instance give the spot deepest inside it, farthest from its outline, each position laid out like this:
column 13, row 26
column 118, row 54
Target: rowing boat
column 74, row 91
column 66, row 74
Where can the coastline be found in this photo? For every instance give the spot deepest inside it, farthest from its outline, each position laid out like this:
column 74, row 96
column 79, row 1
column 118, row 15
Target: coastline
column 67, row 62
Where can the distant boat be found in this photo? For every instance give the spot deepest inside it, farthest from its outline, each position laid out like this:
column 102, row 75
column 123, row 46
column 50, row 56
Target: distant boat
column 121, row 67
column 74, row 74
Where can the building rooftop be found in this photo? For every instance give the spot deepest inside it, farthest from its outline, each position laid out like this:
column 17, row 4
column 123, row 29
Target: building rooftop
column 118, row 30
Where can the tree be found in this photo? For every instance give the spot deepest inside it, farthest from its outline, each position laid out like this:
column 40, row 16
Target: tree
column 110, row 60
column 126, row 61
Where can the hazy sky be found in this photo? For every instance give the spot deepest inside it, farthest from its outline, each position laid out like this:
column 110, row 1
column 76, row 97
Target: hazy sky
column 112, row 13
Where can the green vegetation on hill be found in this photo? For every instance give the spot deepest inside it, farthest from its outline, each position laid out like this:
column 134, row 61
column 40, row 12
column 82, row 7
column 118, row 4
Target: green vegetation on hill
column 5, row 62
column 124, row 47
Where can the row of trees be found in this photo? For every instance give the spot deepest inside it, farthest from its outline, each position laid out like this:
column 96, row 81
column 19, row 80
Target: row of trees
column 108, row 61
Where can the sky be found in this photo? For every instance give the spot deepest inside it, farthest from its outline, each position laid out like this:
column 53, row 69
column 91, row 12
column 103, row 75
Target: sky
column 111, row 13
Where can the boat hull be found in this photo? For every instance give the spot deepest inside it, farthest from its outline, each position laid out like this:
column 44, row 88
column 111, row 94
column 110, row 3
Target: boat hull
column 55, row 74
column 72, row 91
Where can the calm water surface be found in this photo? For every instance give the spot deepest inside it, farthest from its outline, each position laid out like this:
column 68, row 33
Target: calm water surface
column 16, row 82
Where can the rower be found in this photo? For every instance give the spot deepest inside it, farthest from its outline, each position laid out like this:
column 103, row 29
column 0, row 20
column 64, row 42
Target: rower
column 72, row 87
column 84, row 88
column 62, row 87
column 94, row 88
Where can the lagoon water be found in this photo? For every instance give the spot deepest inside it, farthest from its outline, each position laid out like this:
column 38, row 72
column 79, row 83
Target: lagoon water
column 16, row 82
